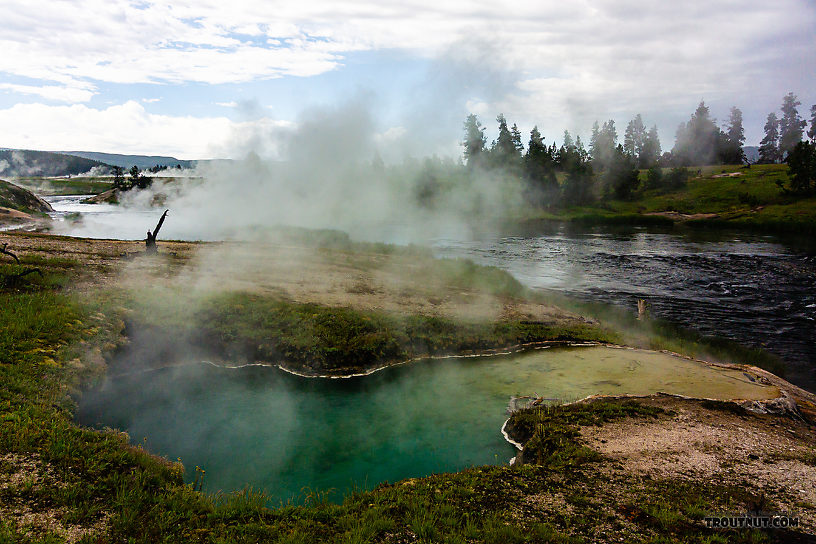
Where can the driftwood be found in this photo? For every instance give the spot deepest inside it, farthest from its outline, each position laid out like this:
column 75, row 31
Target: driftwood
column 150, row 241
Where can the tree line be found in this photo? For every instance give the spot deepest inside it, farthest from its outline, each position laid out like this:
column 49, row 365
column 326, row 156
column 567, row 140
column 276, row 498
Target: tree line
column 616, row 165
column 784, row 141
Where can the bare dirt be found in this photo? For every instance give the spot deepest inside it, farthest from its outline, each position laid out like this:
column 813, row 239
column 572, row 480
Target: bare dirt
column 771, row 456
column 21, row 478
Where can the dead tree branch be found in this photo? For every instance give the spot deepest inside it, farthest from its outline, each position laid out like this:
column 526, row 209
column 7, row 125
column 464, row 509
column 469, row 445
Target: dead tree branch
column 9, row 253
column 150, row 242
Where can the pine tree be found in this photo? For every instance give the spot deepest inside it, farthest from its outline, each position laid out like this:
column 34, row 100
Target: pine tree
column 569, row 144
column 503, row 152
column 731, row 151
column 539, row 169
column 790, row 126
column 812, row 131
column 634, row 137
column 802, row 163
column 118, row 177
column 474, row 142
column 514, row 131
column 769, row 146
column 583, row 155
column 697, row 141
column 606, row 141
column 593, row 142
column 651, row 149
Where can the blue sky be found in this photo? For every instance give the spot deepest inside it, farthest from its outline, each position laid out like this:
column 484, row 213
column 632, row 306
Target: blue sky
column 194, row 78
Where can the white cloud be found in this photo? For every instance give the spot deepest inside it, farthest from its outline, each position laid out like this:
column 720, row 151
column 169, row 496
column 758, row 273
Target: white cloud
column 125, row 128
column 567, row 63
column 58, row 93
column 214, row 42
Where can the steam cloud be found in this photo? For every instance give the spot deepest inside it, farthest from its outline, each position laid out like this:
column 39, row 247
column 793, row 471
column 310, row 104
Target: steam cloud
column 348, row 166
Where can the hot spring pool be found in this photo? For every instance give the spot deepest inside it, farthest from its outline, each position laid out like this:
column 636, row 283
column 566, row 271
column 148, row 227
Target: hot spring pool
column 261, row 427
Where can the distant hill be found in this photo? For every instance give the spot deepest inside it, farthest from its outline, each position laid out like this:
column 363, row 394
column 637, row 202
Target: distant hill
column 24, row 162
column 751, row 153
column 127, row 161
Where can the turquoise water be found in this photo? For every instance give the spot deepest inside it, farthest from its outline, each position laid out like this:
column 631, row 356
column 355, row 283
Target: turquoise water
column 262, row 427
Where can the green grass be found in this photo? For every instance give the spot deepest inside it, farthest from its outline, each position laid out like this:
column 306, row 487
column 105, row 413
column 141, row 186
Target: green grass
column 16, row 198
column 66, row 186
column 751, row 200
column 318, row 339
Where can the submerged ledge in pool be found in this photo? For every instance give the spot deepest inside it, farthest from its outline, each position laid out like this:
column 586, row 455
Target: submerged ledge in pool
column 275, row 431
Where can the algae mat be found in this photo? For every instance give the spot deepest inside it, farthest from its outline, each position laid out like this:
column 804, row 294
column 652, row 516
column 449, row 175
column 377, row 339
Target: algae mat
column 262, row 427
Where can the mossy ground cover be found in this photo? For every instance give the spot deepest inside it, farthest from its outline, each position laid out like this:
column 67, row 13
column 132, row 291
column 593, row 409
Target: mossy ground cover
column 321, row 339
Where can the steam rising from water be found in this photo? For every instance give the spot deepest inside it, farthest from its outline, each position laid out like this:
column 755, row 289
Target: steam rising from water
column 326, row 169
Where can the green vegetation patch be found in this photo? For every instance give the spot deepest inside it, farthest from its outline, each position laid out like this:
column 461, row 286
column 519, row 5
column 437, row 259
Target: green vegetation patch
column 66, row 186
column 20, row 199
column 314, row 338
column 738, row 197
column 549, row 432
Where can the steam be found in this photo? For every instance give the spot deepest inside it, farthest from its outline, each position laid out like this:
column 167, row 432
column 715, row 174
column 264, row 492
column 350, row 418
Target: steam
column 325, row 172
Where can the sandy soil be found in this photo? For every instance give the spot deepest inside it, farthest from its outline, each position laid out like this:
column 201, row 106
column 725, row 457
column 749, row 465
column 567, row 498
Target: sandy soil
column 770, row 455
column 29, row 473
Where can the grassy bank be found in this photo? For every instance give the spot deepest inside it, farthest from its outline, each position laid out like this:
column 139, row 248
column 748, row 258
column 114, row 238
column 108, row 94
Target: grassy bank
column 715, row 196
column 320, row 340
column 66, row 186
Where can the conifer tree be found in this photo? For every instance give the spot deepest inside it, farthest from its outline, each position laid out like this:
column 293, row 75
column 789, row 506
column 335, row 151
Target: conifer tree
column 790, row 126
column 731, row 151
column 769, row 146
column 474, row 142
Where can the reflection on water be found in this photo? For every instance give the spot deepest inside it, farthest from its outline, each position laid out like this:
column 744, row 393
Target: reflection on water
column 262, row 427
